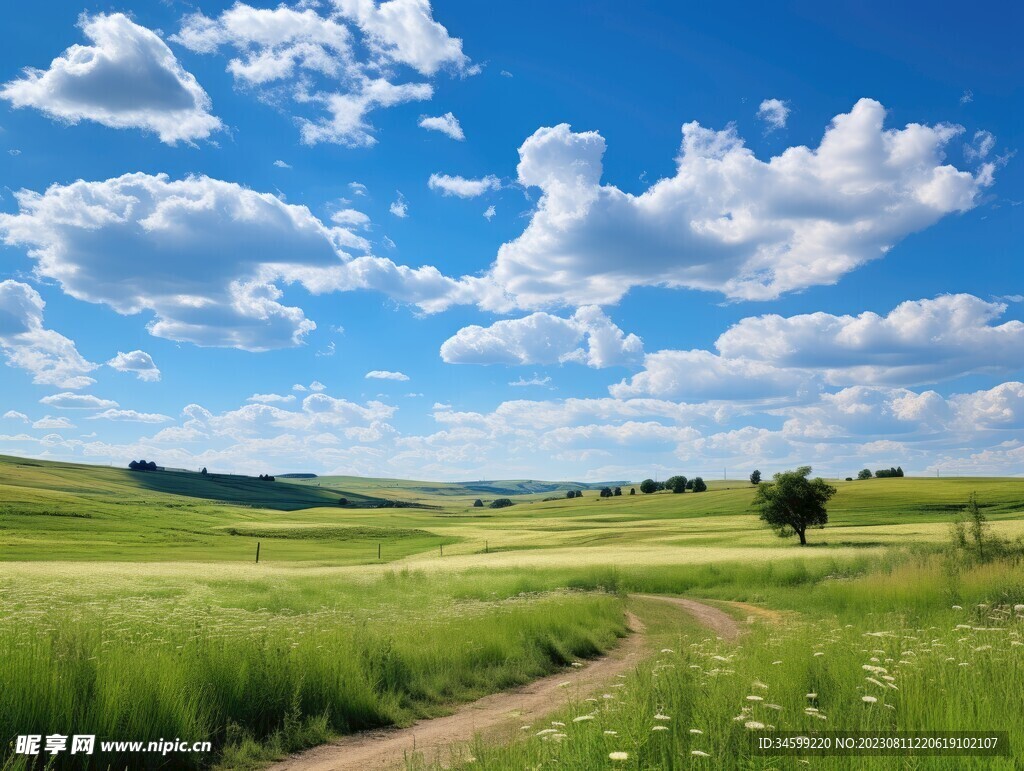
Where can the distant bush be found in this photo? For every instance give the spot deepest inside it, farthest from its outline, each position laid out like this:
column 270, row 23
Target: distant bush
column 606, row 492
column 864, row 474
column 648, row 486
column 570, row 494
column 849, row 479
column 632, row 491
column 343, row 501
column 500, row 503
column 266, row 478
column 478, row 504
column 699, row 485
column 617, row 491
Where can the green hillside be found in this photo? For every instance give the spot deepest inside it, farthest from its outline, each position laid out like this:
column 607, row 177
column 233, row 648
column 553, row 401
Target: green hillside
column 408, row 489
column 68, row 511
column 75, row 511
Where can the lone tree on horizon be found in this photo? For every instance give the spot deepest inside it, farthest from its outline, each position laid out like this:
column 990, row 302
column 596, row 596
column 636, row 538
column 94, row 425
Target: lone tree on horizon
column 755, row 477
column 793, row 503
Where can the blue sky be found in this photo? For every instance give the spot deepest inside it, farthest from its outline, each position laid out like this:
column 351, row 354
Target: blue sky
column 467, row 240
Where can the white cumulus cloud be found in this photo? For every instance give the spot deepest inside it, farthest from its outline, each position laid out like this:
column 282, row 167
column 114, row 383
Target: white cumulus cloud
column 702, row 376
column 138, row 362
column 70, row 401
column 49, row 356
column 727, row 221
column 919, row 341
column 542, row 338
column 774, row 112
column 127, row 78
column 462, row 187
column 446, row 124
column 208, row 258
column 345, row 62
column 383, row 374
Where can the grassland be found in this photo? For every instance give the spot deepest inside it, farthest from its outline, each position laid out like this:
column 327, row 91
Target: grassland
column 131, row 606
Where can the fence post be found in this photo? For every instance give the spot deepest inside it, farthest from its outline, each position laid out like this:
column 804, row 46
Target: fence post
column 257, row 552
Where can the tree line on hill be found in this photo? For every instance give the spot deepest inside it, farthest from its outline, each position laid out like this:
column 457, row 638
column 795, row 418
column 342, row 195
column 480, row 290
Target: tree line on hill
column 882, row 473
column 142, row 465
column 677, row 484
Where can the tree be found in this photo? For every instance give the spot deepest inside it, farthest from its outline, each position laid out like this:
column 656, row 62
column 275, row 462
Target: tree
column 755, row 477
column 579, row 493
column 977, row 525
column 648, row 486
column 632, row 491
column 343, row 501
column 478, row 504
column 864, row 474
column 698, row 485
column 570, row 494
column 689, row 484
column 899, row 471
column 606, row 492
column 793, row 502
column 676, row 484
column 203, row 472
column 500, row 503
column 617, row 491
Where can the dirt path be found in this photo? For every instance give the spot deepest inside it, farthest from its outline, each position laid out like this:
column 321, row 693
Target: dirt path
column 718, row 621
column 498, row 713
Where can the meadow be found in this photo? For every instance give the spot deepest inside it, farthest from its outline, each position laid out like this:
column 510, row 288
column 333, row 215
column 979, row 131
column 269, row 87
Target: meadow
column 131, row 606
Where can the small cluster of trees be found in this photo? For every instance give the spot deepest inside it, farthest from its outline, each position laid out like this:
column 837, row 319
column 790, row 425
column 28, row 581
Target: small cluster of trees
column 607, row 492
column 266, row 478
column 882, row 473
column 574, row 494
column 500, row 503
column 677, row 484
column 142, row 465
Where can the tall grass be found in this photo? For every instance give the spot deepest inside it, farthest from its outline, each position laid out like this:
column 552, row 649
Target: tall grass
column 318, row 657
column 912, row 646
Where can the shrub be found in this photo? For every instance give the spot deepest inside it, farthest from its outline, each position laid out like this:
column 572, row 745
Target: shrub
column 500, row 503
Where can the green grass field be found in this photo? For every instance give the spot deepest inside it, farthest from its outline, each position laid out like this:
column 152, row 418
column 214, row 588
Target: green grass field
column 131, row 606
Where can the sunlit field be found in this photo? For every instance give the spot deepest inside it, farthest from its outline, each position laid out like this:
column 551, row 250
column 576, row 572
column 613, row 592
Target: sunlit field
column 132, row 607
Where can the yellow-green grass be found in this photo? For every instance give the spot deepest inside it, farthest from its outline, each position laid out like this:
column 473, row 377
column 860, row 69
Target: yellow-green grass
column 911, row 647
column 265, row 661
column 64, row 511
column 104, row 572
